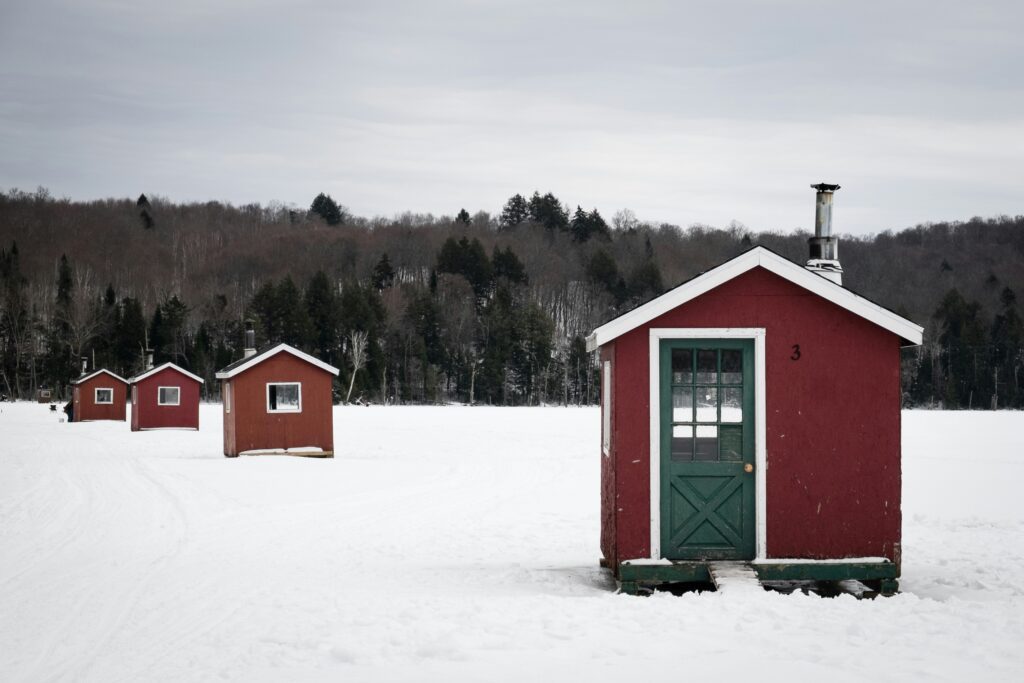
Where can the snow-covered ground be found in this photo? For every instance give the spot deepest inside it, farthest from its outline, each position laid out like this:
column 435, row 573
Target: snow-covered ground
column 456, row 544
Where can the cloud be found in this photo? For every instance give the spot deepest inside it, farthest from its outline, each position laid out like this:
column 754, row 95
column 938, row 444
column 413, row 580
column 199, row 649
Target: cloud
column 682, row 112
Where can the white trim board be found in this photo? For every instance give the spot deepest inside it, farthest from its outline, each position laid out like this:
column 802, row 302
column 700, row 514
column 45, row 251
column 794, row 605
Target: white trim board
column 147, row 373
column 757, row 334
column 769, row 260
column 280, row 348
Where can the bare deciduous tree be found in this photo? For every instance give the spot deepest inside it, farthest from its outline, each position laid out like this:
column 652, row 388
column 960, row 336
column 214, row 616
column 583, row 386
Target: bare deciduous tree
column 357, row 342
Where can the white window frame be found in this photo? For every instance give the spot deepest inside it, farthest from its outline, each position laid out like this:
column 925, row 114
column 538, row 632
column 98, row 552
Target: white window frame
column 606, row 407
column 96, row 396
column 285, row 410
column 177, row 401
column 227, row 397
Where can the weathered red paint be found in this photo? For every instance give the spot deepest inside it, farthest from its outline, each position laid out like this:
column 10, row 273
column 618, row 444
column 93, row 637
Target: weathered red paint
column 86, row 409
column 833, row 423
column 148, row 414
column 248, row 425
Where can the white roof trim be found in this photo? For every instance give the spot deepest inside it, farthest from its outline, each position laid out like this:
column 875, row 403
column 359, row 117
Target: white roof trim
column 758, row 256
column 98, row 372
column 260, row 357
column 139, row 378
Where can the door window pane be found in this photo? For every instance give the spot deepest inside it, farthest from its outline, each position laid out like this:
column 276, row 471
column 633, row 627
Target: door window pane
column 732, row 366
column 682, row 404
column 707, row 366
column 732, row 404
column 682, row 366
column 707, row 404
column 706, row 444
column 682, row 442
column 731, row 438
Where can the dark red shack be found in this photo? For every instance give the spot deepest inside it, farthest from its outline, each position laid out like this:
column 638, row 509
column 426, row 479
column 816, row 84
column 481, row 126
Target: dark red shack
column 752, row 415
column 165, row 397
column 278, row 401
column 99, row 395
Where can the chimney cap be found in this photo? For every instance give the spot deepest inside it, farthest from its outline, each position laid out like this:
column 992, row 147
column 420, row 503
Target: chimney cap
column 825, row 187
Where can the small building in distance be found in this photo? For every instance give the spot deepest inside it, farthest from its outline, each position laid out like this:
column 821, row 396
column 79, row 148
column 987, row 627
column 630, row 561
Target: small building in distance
column 752, row 415
column 99, row 395
column 278, row 401
column 165, row 397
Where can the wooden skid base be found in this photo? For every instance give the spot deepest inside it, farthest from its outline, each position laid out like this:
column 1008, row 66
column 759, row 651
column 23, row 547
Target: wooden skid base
column 879, row 576
column 321, row 454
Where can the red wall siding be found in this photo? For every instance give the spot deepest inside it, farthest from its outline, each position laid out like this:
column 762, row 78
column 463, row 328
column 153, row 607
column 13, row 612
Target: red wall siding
column 833, row 421
column 147, row 414
column 85, row 407
column 255, row 428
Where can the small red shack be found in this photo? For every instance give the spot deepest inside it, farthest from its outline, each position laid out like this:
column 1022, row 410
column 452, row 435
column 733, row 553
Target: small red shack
column 99, row 395
column 278, row 401
column 751, row 416
column 165, row 397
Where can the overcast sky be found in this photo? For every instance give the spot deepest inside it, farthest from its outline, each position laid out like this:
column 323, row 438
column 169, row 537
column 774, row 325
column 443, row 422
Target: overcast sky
column 684, row 112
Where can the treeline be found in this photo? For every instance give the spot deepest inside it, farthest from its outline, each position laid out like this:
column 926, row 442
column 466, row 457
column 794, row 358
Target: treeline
column 470, row 308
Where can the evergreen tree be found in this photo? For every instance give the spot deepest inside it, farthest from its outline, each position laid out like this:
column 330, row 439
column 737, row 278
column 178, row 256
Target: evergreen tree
column 963, row 347
column 15, row 323
column 515, row 211
column 263, row 309
column 383, row 274
column 129, row 336
column 61, row 364
column 598, row 227
column 580, row 225
column 645, row 282
column 1007, row 354
column 327, row 209
column 295, row 326
column 463, row 217
column 548, row 211
column 507, row 265
column 468, row 259
column 322, row 309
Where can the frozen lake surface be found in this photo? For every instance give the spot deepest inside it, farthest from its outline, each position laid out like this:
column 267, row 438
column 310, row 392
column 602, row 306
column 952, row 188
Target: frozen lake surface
column 456, row 544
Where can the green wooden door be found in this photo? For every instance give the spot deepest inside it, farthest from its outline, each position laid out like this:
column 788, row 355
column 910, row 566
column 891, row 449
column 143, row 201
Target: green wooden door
column 707, row 449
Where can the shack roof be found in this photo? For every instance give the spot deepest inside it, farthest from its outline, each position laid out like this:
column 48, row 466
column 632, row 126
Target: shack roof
column 910, row 333
column 165, row 366
column 243, row 364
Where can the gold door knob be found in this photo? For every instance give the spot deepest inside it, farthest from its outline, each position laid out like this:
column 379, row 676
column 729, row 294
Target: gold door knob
column 748, row 468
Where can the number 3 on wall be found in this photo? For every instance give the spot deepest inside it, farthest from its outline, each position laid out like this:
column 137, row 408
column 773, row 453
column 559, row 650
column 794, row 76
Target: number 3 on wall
column 796, row 352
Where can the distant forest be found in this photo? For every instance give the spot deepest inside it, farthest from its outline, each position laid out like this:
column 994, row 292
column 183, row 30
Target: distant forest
column 481, row 308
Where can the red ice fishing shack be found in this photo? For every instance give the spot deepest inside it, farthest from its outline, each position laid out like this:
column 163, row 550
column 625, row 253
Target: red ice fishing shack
column 99, row 395
column 165, row 397
column 278, row 401
column 751, row 424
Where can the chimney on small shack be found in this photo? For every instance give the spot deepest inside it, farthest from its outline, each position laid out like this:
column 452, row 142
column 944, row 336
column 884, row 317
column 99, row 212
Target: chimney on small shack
column 149, row 359
column 85, row 364
column 250, row 340
column 824, row 247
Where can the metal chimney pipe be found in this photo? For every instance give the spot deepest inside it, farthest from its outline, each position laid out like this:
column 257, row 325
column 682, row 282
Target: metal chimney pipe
column 149, row 359
column 250, row 340
column 85, row 364
column 824, row 248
